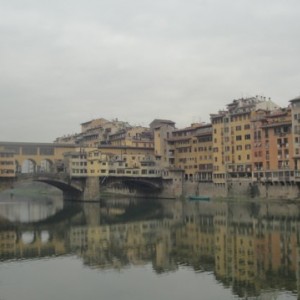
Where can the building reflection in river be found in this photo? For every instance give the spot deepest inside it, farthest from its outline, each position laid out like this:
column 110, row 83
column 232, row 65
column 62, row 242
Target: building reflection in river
column 252, row 248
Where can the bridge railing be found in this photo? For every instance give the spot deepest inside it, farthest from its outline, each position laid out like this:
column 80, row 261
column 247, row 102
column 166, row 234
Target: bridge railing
column 138, row 172
column 133, row 173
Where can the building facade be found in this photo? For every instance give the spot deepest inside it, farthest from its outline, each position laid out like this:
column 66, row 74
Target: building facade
column 295, row 111
column 191, row 149
column 7, row 164
column 232, row 154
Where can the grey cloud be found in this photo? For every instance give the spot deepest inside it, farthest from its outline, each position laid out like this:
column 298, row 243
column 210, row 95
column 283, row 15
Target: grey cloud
column 64, row 62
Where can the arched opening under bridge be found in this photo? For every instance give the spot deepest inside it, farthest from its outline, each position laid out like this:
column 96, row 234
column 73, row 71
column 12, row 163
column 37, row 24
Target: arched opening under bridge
column 29, row 166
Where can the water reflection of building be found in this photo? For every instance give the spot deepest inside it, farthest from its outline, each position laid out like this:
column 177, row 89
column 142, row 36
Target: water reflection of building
column 255, row 245
column 195, row 239
column 117, row 245
column 18, row 244
column 7, row 243
column 251, row 248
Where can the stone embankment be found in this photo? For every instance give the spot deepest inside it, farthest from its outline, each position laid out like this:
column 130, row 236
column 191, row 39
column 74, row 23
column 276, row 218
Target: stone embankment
column 244, row 188
column 237, row 189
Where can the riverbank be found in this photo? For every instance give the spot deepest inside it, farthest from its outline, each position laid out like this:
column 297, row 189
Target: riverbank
column 239, row 189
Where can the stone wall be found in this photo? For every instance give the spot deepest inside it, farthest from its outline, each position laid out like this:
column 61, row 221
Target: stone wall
column 278, row 191
column 171, row 189
column 243, row 188
column 203, row 188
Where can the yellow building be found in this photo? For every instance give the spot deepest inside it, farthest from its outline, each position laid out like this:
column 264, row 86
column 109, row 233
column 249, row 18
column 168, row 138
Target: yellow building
column 124, row 164
column 121, row 150
column 237, row 148
column 132, row 137
column 219, row 121
column 162, row 130
column 202, row 142
column 7, row 164
column 99, row 131
column 36, row 157
column 8, row 241
column 94, row 132
column 191, row 148
column 86, row 126
column 76, row 162
column 98, row 163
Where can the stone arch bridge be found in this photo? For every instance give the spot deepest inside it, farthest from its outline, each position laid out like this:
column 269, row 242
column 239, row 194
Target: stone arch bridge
column 88, row 188
column 72, row 188
column 46, row 163
column 133, row 184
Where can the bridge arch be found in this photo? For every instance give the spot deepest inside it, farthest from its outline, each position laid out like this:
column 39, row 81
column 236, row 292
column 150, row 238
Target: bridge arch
column 46, row 166
column 72, row 189
column 78, row 189
column 45, row 236
column 28, row 166
column 138, row 184
column 31, row 166
column 18, row 166
column 28, row 237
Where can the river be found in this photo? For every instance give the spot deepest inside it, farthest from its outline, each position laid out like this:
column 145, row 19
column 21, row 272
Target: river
column 147, row 249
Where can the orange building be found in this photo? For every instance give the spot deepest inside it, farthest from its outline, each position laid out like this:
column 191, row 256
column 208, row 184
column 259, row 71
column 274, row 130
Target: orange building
column 273, row 146
column 295, row 107
column 260, row 149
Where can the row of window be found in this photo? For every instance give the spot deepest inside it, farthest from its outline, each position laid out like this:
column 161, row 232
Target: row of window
column 240, row 137
column 237, row 128
column 77, row 163
column 7, row 163
column 134, row 172
column 5, row 154
column 238, row 148
column 202, row 167
column 7, row 171
column 237, row 138
column 228, row 158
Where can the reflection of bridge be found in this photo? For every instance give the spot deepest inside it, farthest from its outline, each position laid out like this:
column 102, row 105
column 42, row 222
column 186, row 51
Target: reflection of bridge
column 37, row 239
column 30, row 244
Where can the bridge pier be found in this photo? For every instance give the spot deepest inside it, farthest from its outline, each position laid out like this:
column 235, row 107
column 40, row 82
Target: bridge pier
column 91, row 190
column 172, row 188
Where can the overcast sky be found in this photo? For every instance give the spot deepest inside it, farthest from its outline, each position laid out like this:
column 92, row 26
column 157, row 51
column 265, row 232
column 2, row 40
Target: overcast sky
column 64, row 62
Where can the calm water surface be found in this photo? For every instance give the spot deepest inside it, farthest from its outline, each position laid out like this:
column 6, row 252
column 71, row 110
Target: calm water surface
column 147, row 249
